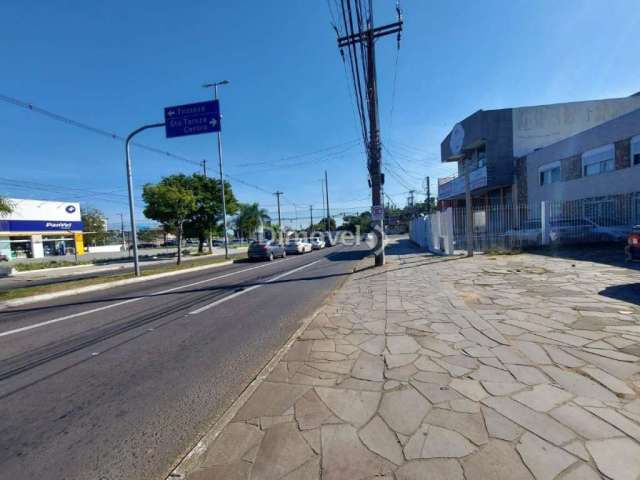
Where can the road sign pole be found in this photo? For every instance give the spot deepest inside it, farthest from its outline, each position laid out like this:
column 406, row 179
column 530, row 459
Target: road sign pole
column 134, row 233
column 224, row 201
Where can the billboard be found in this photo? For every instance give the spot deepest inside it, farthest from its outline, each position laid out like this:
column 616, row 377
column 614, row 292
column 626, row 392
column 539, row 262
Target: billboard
column 42, row 216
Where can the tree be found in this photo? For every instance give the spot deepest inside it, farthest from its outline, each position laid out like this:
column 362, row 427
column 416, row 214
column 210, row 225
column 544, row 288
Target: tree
column 250, row 217
column 6, row 207
column 208, row 213
column 150, row 235
column 94, row 223
column 352, row 222
column 170, row 202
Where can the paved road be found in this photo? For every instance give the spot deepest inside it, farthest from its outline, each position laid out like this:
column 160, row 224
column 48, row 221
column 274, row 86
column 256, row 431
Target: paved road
column 119, row 384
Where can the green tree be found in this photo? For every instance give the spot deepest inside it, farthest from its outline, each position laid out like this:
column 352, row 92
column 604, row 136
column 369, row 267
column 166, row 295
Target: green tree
column 250, row 217
column 352, row 222
column 6, row 207
column 94, row 223
column 170, row 202
column 208, row 213
column 150, row 235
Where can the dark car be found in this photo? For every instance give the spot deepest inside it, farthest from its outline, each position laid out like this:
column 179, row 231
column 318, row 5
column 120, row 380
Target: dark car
column 633, row 244
column 330, row 239
column 266, row 250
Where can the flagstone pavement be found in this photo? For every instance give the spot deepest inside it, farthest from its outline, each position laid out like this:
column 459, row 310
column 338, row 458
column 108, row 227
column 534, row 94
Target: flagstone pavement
column 507, row 367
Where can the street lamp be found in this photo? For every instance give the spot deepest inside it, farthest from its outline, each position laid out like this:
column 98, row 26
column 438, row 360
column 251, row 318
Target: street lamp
column 224, row 204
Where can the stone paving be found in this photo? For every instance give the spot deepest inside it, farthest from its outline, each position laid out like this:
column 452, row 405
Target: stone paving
column 508, row 367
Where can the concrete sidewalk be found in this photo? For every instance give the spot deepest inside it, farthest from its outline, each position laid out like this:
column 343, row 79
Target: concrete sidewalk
column 510, row 367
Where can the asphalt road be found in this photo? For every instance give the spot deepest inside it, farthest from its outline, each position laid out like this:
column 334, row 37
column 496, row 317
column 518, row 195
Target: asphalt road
column 120, row 384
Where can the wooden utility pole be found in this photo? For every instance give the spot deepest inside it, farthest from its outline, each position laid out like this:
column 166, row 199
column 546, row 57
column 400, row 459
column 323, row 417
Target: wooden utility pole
column 366, row 38
column 326, row 191
column 311, row 214
column 277, row 194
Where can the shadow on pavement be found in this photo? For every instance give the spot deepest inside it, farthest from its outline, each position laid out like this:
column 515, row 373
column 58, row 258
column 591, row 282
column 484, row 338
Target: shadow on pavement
column 629, row 293
column 608, row 254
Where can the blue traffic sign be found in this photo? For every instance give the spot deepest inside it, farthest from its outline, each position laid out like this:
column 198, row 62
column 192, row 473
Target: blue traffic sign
column 192, row 119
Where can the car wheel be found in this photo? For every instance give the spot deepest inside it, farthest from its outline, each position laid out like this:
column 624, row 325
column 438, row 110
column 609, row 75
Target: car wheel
column 271, row 257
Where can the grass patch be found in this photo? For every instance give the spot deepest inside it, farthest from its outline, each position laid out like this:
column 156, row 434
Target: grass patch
column 26, row 267
column 66, row 285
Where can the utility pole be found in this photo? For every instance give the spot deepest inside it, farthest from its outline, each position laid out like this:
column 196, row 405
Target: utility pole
column 326, row 191
column 367, row 39
column 122, row 231
column 204, row 168
column 311, row 213
column 468, row 207
column 224, row 202
column 277, row 194
column 428, row 180
column 324, row 206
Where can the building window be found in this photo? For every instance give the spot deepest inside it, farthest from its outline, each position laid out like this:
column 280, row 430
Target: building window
column 598, row 160
column 635, row 150
column 549, row 173
column 482, row 156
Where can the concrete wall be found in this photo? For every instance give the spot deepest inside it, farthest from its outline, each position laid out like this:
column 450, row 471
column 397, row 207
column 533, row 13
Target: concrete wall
column 624, row 179
column 540, row 126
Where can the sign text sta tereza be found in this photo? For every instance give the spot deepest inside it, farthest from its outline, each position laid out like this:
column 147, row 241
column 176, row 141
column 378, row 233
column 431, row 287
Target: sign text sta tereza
column 192, row 119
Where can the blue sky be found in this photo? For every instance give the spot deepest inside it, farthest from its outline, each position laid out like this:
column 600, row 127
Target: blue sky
column 116, row 64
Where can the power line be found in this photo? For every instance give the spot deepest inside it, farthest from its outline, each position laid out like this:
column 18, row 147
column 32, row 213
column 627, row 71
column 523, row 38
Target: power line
column 114, row 136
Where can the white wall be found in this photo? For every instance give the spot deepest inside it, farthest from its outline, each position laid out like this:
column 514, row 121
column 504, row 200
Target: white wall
column 535, row 127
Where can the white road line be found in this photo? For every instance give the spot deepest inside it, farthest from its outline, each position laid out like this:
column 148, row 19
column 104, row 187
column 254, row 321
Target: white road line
column 246, row 290
column 131, row 300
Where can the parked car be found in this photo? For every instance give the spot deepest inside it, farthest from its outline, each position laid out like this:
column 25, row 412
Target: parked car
column 572, row 230
column 530, row 233
column 330, row 239
column 317, row 243
column 611, row 230
column 297, row 246
column 633, row 244
column 266, row 250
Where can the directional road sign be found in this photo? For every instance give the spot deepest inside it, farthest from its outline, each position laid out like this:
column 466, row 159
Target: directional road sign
column 192, row 119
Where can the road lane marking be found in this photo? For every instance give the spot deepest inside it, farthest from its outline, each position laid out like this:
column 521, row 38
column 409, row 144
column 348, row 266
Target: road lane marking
column 246, row 290
column 124, row 302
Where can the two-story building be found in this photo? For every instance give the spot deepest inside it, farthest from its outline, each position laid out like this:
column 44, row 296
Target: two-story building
column 490, row 141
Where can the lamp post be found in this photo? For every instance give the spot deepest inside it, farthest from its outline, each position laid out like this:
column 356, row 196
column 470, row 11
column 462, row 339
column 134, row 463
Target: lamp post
column 224, row 203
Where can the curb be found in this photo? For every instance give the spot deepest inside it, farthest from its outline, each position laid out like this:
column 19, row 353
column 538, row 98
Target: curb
column 104, row 286
column 190, row 460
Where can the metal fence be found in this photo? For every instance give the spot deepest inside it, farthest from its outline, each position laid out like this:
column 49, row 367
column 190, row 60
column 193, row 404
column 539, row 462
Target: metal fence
column 515, row 227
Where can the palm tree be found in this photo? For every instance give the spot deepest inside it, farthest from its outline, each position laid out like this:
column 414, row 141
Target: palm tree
column 250, row 218
column 6, row 207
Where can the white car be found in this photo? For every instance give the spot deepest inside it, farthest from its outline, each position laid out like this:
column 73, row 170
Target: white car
column 297, row 246
column 317, row 243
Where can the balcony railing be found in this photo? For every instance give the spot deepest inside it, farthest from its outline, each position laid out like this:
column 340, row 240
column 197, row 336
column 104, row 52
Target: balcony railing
column 449, row 187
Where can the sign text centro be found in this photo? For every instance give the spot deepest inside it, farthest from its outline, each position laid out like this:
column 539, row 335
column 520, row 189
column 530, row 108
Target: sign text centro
column 192, row 119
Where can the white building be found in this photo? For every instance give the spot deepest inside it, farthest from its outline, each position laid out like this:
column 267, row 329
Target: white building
column 38, row 228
